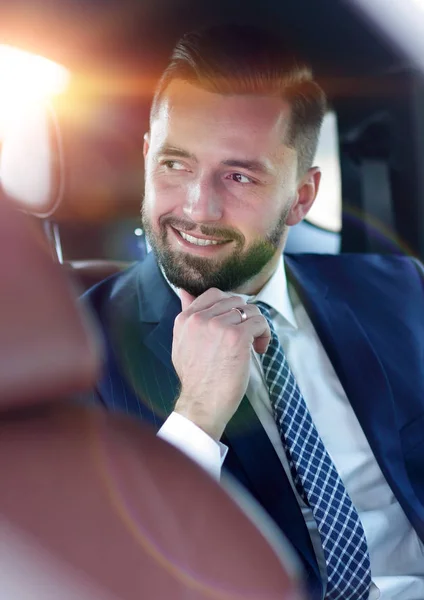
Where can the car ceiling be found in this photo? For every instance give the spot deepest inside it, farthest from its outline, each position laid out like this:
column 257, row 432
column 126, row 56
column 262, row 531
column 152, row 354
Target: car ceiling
column 127, row 34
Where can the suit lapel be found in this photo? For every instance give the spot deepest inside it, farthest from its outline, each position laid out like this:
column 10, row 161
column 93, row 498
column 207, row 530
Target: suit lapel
column 140, row 329
column 363, row 378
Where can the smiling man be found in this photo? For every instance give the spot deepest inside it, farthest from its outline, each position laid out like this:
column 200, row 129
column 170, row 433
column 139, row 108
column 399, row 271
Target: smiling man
column 216, row 214
column 302, row 375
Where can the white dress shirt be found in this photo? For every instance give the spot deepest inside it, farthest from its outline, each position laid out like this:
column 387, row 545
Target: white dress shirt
column 396, row 552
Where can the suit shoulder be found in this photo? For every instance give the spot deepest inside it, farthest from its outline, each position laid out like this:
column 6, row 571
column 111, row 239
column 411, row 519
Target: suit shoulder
column 389, row 263
column 111, row 289
column 394, row 275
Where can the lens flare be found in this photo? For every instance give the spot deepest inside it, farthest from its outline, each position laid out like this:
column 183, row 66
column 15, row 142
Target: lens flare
column 25, row 80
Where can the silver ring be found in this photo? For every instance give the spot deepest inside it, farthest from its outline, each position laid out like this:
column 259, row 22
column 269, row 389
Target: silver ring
column 242, row 314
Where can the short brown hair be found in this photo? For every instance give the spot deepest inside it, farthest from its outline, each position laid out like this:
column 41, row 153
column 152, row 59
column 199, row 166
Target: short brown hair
column 236, row 59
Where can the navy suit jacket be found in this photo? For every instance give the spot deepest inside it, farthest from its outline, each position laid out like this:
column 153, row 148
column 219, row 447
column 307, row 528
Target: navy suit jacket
column 369, row 314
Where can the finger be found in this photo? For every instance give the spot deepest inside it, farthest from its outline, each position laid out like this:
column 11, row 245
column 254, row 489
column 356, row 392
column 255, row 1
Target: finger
column 255, row 326
column 260, row 344
column 259, row 330
column 226, row 305
column 206, row 300
column 186, row 299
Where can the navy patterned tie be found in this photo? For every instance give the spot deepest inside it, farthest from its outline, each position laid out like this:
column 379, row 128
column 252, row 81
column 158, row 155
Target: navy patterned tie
column 316, row 479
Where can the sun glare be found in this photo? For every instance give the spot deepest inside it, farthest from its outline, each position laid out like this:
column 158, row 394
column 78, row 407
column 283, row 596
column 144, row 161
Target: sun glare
column 26, row 79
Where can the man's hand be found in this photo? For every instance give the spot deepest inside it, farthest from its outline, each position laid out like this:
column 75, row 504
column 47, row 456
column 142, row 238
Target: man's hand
column 211, row 355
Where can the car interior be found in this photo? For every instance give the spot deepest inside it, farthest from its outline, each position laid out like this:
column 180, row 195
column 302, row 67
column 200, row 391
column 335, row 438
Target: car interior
column 71, row 183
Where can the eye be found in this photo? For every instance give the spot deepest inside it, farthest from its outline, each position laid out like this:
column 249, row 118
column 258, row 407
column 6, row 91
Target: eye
column 173, row 165
column 239, row 178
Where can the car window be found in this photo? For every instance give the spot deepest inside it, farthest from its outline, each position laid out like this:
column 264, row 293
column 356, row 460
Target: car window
column 326, row 211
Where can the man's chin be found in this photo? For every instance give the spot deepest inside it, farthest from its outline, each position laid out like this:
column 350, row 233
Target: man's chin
column 191, row 280
column 197, row 274
column 195, row 287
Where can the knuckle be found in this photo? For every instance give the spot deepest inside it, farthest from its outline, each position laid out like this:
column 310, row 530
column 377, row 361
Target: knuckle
column 232, row 336
column 215, row 293
column 179, row 320
column 196, row 319
column 258, row 320
column 229, row 302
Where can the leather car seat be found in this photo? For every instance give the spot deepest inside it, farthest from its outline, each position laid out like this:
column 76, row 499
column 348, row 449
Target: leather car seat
column 87, row 273
column 93, row 505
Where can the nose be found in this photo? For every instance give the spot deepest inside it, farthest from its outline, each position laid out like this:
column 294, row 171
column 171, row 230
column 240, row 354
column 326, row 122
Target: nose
column 203, row 203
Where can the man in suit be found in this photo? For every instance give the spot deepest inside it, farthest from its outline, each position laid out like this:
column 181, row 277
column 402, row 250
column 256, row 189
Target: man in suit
column 301, row 376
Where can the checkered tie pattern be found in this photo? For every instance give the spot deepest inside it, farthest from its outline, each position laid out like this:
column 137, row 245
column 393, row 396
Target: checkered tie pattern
column 316, row 479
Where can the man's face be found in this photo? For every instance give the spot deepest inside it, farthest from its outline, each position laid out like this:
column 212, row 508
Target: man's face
column 221, row 188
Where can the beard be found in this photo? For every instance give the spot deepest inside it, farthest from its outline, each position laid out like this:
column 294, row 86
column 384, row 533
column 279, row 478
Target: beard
column 197, row 274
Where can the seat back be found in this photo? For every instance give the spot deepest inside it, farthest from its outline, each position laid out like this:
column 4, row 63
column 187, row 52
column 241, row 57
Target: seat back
column 95, row 506
column 47, row 346
column 87, row 273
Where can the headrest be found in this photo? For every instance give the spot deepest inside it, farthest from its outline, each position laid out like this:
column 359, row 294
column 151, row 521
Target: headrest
column 76, row 159
column 48, row 347
column 96, row 507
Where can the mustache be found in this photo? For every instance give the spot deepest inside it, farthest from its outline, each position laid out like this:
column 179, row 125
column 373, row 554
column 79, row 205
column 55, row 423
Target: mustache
column 224, row 233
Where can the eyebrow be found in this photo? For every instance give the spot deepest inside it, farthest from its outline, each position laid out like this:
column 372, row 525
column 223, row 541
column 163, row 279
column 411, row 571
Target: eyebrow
column 174, row 151
column 254, row 166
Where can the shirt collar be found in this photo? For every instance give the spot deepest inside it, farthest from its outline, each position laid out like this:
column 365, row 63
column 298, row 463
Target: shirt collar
column 275, row 293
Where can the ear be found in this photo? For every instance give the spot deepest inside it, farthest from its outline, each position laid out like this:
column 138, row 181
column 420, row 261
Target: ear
column 146, row 144
column 306, row 193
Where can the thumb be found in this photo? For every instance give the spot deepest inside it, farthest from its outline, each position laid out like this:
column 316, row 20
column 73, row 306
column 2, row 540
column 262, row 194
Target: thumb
column 186, row 299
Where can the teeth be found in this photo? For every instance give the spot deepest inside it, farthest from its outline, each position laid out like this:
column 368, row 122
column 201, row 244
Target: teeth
column 197, row 241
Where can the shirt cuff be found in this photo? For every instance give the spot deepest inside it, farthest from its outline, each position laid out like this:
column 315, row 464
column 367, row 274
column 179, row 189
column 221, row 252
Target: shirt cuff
column 195, row 443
